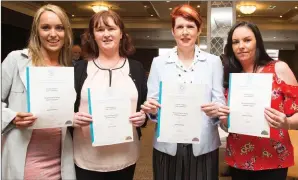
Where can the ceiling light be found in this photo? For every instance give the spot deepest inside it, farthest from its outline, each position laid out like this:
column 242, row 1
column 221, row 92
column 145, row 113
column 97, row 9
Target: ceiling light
column 280, row 16
column 170, row 8
column 151, row 14
column 98, row 8
column 247, row 9
column 296, row 7
column 145, row 6
column 198, row 6
column 73, row 15
column 271, row 7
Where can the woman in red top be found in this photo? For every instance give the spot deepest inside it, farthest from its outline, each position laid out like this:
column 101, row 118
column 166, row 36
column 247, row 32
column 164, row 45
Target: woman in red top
column 255, row 157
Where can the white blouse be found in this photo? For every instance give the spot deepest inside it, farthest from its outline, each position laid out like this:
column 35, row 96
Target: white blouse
column 184, row 74
column 112, row 157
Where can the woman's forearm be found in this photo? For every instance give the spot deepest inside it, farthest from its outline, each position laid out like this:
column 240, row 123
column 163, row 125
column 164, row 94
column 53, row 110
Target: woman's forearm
column 293, row 121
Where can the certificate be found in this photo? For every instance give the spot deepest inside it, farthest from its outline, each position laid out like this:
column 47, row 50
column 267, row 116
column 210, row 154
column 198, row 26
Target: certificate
column 50, row 96
column 249, row 95
column 180, row 115
column 110, row 111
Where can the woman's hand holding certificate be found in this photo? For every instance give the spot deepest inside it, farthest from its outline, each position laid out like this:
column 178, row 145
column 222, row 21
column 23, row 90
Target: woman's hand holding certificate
column 23, row 120
column 81, row 119
column 276, row 119
column 137, row 119
column 210, row 109
column 150, row 106
column 223, row 114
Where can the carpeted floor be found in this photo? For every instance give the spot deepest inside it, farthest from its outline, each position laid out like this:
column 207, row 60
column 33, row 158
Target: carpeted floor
column 144, row 164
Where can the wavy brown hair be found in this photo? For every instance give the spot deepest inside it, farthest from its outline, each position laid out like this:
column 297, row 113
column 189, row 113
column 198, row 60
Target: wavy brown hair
column 89, row 45
column 34, row 45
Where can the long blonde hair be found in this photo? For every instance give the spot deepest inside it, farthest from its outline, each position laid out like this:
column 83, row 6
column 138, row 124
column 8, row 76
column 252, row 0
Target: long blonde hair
column 34, row 45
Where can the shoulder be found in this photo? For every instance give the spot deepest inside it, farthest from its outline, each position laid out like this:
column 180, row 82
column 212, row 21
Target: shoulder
column 16, row 58
column 134, row 63
column 284, row 72
column 163, row 57
column 209, row 57
column 166, row 57
column 18, row 54
column 281, row 66
column 136, row 67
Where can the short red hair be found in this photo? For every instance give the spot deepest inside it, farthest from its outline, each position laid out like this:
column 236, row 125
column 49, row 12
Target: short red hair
column 187, row 12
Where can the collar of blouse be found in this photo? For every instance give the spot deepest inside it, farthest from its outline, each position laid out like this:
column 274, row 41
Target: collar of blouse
column 199, row 55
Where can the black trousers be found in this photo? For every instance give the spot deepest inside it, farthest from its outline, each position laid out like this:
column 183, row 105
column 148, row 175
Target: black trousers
column 123, row 174
column 272, row 174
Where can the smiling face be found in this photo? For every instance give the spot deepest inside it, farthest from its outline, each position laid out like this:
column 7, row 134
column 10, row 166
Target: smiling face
column 244, row 44
column 51, row 32
column 107, row 36
column 185, row 32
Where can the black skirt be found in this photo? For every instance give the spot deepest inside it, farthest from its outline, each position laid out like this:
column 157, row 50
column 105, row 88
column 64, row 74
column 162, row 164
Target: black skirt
column 185, row 166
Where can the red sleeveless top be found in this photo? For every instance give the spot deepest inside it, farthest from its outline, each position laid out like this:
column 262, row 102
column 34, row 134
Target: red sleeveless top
column 256, row 153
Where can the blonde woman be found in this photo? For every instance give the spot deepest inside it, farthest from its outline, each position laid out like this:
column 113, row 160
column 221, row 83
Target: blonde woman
column 35, row 154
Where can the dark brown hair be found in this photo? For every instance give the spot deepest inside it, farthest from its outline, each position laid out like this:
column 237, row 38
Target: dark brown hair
column 187, row 12
column 90, row 47
column 232, row 64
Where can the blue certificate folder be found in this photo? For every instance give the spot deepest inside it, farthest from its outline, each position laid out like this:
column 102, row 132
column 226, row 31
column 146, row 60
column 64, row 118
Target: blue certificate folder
column 28, row 88
column 229, row 92
column 159, row 110
column 90, row 112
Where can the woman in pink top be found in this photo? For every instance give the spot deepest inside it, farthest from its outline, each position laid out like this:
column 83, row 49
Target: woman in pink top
column 40, row 153
column 107, row 47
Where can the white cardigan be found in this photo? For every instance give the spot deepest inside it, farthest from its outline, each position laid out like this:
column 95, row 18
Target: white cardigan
column 15, row 142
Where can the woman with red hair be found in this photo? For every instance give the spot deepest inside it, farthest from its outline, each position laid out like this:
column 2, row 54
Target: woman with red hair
column 186, row 63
